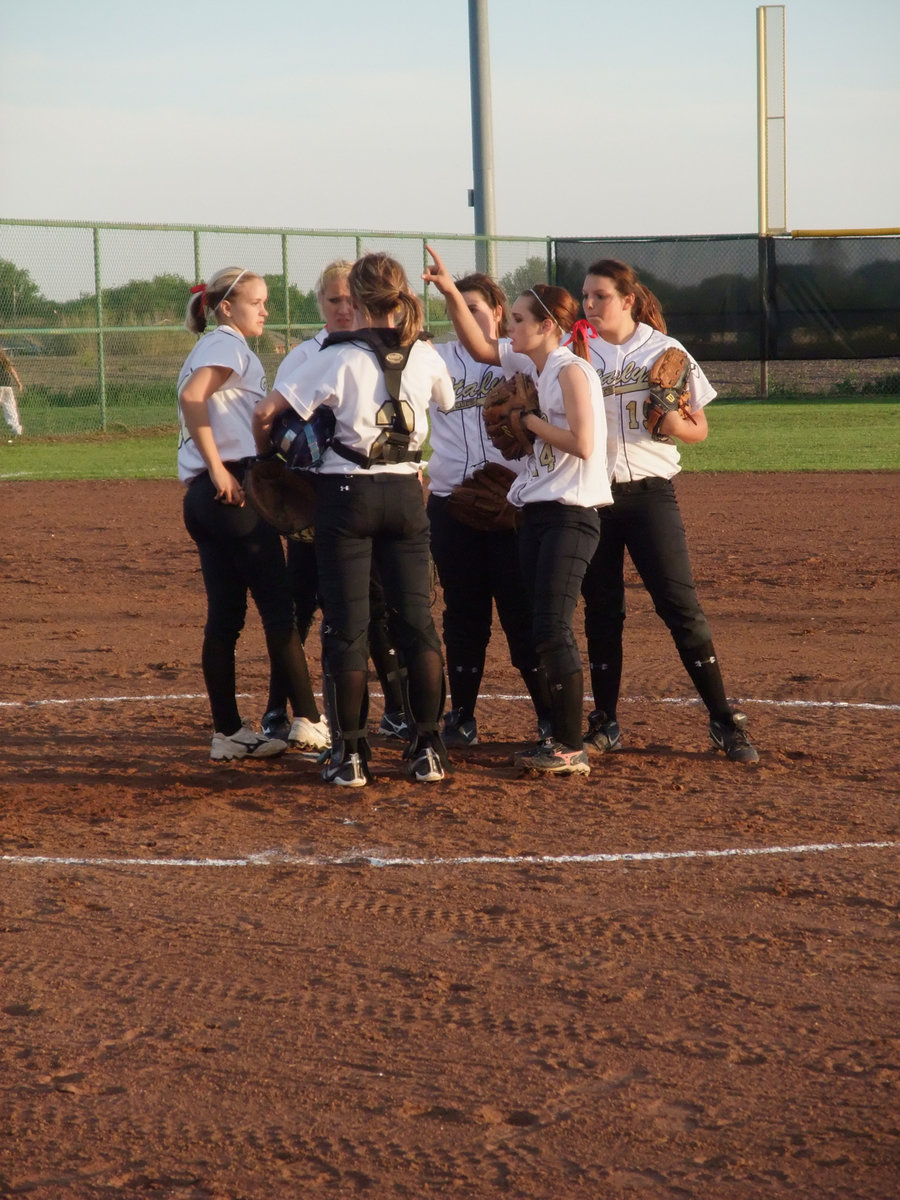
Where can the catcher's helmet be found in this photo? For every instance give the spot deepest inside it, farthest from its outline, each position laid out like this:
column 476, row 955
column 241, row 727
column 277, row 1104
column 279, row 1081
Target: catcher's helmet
column 301, row 443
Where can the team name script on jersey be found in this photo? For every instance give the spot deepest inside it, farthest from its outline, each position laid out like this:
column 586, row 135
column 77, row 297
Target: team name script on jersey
column 631, row 378
column 471, row 395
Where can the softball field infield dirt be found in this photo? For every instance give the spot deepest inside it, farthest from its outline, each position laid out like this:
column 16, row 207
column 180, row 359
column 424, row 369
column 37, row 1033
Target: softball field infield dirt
column 676, row 978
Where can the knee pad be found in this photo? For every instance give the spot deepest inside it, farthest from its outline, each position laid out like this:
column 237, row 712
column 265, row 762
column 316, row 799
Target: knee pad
column 341, row 653
column 410, row 639
column 559, row 656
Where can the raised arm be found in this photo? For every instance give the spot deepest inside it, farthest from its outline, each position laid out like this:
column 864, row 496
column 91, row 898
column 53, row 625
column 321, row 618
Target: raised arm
column 482, row 348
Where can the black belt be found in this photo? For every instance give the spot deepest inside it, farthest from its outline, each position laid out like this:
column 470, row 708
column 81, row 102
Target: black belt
column 651, row 484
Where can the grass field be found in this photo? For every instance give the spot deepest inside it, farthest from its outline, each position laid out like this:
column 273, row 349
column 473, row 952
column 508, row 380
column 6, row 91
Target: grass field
column 745, row 435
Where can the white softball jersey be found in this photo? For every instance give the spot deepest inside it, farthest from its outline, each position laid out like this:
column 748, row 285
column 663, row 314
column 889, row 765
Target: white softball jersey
column 347, row 377
column 550, row 474
column 300, row 353
column 624, row 372
column 459, row 443
column 231, row 407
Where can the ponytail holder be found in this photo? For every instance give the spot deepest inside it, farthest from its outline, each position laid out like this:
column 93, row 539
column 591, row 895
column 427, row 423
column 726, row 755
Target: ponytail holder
column 201, row 288
column 583, row 329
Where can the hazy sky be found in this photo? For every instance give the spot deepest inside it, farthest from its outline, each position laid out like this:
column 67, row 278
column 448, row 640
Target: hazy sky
column 609, row 119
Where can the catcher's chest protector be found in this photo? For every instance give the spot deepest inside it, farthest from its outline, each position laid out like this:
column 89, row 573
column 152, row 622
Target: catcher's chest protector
column 392, row 445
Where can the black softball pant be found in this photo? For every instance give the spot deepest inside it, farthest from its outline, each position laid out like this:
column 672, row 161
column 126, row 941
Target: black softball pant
column 379, row 519
column 241, row 553
column 303, row 578
column 478, row 569
column 556, row 544
column 645, row 520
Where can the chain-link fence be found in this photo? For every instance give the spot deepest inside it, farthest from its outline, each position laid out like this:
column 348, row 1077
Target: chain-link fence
column 91, row 314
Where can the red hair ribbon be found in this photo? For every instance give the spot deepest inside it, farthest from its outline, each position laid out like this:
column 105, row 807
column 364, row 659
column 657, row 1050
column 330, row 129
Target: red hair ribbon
column 201, row 288
column 581, row 328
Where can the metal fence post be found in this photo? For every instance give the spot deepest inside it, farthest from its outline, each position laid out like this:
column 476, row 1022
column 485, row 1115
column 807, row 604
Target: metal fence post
column 768, row 339
column 101, row 358
column 287, row 296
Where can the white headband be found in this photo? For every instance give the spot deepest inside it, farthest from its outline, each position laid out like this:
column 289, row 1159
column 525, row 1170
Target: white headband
column 545, row 308
column 234, row 284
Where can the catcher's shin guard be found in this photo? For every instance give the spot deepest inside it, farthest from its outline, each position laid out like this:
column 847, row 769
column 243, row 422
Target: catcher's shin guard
column 428, row 736
column 425, row 733
column 345, row 742
column 386, row 661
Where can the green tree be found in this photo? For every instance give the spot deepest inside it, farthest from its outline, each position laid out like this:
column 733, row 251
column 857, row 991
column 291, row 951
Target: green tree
column 304, row 309
column 161, row 300
column 533, row 270
column 20, row 296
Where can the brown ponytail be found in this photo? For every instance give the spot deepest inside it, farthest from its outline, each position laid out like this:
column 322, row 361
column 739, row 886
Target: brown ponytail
column 206, row 297
column 560, row 306
column 379, row 286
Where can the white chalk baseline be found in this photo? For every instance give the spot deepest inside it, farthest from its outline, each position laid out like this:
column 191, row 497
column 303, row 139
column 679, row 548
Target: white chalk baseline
column 183, row 697
column 280, row 858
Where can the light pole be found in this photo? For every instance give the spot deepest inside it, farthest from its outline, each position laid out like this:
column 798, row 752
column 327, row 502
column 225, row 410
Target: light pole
column 482, row 195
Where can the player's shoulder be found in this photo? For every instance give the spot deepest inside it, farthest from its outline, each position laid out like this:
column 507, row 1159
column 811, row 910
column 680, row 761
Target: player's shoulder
column 220, row 347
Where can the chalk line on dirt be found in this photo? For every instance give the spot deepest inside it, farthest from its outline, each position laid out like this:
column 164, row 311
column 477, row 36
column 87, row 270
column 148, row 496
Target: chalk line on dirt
column 354, row 858
column 175, row 697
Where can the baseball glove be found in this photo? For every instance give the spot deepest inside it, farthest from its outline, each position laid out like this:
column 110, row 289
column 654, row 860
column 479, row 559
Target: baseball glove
column 284, row 498
column 480, row 501
column 668, row 391
column 504, row 406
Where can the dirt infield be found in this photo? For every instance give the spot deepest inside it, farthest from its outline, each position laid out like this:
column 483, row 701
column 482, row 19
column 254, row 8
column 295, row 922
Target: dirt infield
column 239, row 983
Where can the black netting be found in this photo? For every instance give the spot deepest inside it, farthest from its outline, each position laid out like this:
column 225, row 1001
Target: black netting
column 835, row 298
column 735, row 299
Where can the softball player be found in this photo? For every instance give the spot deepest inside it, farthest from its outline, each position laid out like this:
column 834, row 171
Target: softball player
column 9, row 381
column 476, row 569
column 370, row 509
column 559, row 490
column 219, row 384
column 336, row 309
column 645, row 519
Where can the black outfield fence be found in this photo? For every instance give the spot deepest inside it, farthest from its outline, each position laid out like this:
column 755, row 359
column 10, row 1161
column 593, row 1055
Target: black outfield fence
column 773, row 299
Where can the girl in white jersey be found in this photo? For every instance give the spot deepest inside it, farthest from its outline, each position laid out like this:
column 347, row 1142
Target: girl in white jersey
column 9, row 382
column 219, row 384
column 564, row 481
column 336, row 309
column 645, row 519
column 477, row 568
column 380, row 380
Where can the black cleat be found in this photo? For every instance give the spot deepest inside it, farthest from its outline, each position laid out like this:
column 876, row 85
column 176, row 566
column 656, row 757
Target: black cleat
column 732, row 738
column 602, row 734
column 276, row 724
